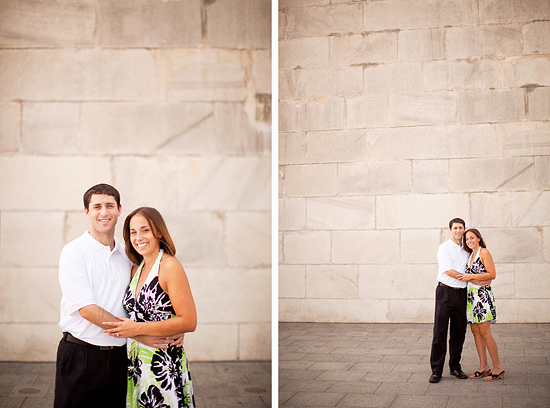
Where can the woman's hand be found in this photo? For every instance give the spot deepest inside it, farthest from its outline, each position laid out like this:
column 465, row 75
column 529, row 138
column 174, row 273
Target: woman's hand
column 464, row 277
column 124, row 328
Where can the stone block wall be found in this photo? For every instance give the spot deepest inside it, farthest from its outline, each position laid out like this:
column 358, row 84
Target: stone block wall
column 396, row 116
column 169, row 101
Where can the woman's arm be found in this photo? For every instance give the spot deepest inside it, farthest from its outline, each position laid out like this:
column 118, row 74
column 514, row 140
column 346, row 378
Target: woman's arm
column 173, row 280
column 487, row 261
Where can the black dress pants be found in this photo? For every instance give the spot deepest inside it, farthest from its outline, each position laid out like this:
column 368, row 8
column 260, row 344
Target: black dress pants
column 450, row 306
column 89, row 377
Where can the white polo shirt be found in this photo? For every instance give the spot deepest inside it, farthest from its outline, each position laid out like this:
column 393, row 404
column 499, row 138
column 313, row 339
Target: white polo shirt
column 90, row 273
column 451, row 256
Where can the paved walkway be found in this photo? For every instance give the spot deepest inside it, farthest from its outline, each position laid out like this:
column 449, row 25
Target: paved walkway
column 387, row 365
column 216, row 385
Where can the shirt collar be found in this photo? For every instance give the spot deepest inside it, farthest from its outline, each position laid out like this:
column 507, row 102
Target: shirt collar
column 95, row 244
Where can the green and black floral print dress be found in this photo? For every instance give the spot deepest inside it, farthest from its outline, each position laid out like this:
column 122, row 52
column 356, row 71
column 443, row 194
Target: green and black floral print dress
column 157, row 378
column 481, row 302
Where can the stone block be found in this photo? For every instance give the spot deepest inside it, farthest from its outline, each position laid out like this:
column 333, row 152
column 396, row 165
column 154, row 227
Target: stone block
column 321, row 113
column 73, row 176
column 530, row 209
column 433, row 142
column 324, row 21
column 292, row 148
column 455, row 75
column 288, row 113
column 21, row 342
column 397, row 281
column 24, row 299
column 261, row 71
column 199, row 238
column 222, row 344
column 310, row 180
column 203, row 74
column 366, row 112
column 504, row 285
column 10, row 127
column 483, row 41
column 237, row 133
column 52, row 24
column 233, row 183
column 158, row 182
column 363, row 49
column 536, row 37
column 332, row 282
column 365, row 247
column 337, row 81
column 292, row 281
column 404, row 14
column 238, row 295
column 528, row 72
column 304, row 53
column 525, row 138
column 430, row 176
column 422, row 109
column 542, row 173
column 539, row 104
column 85, row 74
column 491, row 174
column 254, row 342
column 521, row 310
column 411, row 311
column 292, row 214
column 374, row 178
column 306, row 247
column 287, row 83
column 335, row 146
column 414, row 253
column 76, row 222
column 239, row 24
column 248, row 239
column 505, row 11
column 145, row 129
column 420, row 211
column 334, row 310
column 302, row 3
column 22, row 238
column 532, row 281
column 421, row 45
column 51, row 128
column 516, row 245
column 491, row 210
column 282, row 25
column 341, row 213
column 404, row 77
column 491, row 106
column 149, row 24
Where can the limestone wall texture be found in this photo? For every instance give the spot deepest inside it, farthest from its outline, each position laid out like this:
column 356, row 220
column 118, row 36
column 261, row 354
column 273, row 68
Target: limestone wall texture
column 169, row 101
column 396, row 116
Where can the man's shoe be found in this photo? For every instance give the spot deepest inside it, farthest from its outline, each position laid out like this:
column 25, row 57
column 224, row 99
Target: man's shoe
column 434, row 378
column 459, row 374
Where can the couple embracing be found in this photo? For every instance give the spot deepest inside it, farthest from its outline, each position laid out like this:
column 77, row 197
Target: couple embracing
column 464, row 296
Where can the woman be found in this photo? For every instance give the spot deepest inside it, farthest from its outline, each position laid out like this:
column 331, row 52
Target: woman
column 481, row 310
column 159, row 303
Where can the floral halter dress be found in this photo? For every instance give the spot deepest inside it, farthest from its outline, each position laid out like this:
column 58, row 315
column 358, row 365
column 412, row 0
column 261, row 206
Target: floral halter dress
column 157, row 378
column 481, row 302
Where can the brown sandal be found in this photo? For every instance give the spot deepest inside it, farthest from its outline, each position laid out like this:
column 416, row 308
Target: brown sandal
column 495, row 377
column 479, row 374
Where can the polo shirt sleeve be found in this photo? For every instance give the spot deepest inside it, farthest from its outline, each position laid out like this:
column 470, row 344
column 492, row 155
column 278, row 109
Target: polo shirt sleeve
column 74, row 279
column 444, row 259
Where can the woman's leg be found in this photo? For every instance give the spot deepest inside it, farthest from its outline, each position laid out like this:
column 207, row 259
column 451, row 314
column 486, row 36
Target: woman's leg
column 481, row 349
column 485, row 330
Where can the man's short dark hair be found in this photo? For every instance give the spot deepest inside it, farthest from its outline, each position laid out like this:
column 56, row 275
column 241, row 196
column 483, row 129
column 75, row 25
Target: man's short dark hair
column 101, row 189
column 456, row 221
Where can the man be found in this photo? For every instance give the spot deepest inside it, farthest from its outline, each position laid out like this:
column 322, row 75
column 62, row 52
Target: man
column 450, row 304
column 94, row 271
